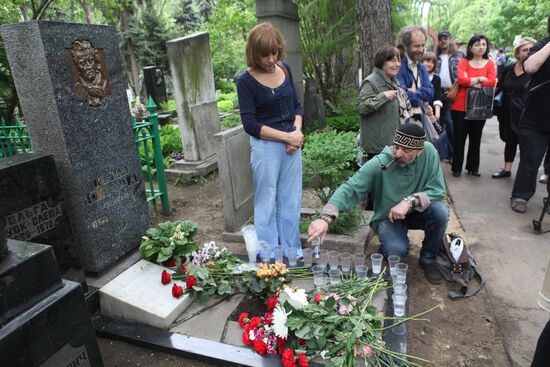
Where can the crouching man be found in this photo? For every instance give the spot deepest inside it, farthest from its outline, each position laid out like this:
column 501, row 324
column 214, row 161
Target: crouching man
column 408, row 189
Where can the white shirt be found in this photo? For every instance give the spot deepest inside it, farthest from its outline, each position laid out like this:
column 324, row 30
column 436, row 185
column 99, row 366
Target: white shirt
column 444, row 72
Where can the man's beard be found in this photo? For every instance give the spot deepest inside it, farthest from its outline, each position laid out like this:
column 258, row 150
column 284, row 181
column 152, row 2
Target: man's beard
column 416, row 56
column 402, row 163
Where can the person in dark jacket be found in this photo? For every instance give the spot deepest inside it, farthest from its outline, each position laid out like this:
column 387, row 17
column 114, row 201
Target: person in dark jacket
column 513, row 82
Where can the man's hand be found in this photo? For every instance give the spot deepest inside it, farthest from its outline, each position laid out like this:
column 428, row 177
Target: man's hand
column 390, row 94
column 399, row 211
column 317, row 228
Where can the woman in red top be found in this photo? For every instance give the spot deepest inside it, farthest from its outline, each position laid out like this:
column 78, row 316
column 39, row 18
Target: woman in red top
column 475, row 70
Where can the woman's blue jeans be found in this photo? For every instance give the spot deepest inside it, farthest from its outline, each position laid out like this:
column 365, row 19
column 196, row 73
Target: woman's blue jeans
column 433, row 220
column 278, row 198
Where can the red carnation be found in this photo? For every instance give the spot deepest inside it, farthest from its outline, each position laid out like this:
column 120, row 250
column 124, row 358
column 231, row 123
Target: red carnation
column 302, row 360
column 259, row 346
column 243, row 319
column 190, row 281
column 177, row 291
column 281, row 345
column 246, row 337
column 254, row 322
column 183, row 268
column 271, row 302
column 165, row 278
column 268, row 317
column 288, row 358
column 318, row 296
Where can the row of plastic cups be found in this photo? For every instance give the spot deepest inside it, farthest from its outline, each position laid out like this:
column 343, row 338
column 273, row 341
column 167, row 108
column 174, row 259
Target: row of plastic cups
column 266, row 250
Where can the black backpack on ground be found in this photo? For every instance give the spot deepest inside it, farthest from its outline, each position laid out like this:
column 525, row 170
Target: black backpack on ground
column 460, row 271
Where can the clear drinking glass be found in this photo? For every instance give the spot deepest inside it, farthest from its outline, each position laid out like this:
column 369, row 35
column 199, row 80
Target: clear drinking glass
column 323, row 258
column 400, row 289
column 317, row 269
column 358, row 259
column 399, row 301
column 320, row 280
column 278, row 254
column 334, row 275
column 333, row 257
column 265, row 251
column 292, row 255
column 376, row 262
column 400, row 273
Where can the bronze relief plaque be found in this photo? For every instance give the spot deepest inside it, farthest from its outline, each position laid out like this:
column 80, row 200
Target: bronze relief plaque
column 89, row 72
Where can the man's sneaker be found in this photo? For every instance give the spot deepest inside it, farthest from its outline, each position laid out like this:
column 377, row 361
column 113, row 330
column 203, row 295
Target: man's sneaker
column 518, row 205
column 431, row 273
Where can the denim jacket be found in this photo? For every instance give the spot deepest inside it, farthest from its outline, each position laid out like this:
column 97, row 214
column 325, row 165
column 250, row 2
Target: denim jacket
column 406, row 79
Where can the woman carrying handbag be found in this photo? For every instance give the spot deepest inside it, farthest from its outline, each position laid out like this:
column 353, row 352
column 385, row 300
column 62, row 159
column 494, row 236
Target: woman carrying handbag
column 475, row 70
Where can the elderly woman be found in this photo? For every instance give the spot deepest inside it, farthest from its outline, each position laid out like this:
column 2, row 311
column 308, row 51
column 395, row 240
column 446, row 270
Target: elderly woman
column 474, row 71
column 514, row 82
column 378, row 102
column 272, row 116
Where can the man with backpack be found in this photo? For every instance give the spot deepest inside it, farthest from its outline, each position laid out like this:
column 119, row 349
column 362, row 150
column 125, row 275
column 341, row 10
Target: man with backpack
column 408, row 189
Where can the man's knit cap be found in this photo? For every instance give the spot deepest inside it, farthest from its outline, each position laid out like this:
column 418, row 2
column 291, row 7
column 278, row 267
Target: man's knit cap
column 410, row 135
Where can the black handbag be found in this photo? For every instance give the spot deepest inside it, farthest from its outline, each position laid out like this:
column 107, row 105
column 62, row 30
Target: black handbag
column 479, row 103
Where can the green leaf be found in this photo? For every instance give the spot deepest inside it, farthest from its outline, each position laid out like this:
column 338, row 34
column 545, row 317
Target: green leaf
column 321, row 341
column 303, row 332
column 330, row 303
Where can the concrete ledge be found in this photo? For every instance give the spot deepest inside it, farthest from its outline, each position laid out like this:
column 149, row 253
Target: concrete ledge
column 355, row 243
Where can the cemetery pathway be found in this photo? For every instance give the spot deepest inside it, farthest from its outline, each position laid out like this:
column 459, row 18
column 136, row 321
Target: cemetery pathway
column 459, row 333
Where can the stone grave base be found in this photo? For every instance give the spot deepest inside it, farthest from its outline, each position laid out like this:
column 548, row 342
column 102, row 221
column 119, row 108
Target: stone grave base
column 337, row 242
column 138, row 295
column 184, row 171
column 210, row 331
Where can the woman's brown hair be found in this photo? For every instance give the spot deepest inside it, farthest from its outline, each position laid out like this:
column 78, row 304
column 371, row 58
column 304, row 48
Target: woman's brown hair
column 262, row 40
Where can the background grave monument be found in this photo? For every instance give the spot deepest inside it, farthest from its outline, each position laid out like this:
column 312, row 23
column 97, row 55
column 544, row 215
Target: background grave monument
column 154, row 84
column 34, row 209
column 283, row 14
column 194, row 91
column 71, row 88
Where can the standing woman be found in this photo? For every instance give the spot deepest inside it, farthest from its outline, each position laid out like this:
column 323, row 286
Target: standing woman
column 514, row 82
column 272, row 116
column 475, row 70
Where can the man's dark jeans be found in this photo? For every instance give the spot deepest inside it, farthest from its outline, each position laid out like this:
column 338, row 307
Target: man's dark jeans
column 532, row 146
column 433, row 220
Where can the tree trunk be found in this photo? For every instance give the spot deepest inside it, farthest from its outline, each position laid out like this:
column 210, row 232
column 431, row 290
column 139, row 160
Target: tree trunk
column 374, row 20
column 87, row 11
column 131, row 59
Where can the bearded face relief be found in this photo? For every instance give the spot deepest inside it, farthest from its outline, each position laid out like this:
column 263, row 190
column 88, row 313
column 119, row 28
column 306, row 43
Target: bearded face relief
column 89, row 74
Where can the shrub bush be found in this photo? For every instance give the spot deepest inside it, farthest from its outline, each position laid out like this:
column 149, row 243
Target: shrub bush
column 225, row 106
column 328, row 159
column 349, row 122
column 229, row 122
column 168, row 106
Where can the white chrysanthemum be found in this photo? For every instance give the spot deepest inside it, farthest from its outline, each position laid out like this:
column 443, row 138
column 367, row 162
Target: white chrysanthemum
column 279, row 321
column 296, row 297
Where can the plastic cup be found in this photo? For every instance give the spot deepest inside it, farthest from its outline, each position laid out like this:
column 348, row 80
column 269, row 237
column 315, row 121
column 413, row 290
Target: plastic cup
column 346, row 262
column 323, row 258
column 361, row 271
column 317, row 269
column 400, row 289
column 393, row 260
column 334, row 275
column 358, row 259
column 376, row 262
column 292, row 255
column 307, row 253
column 400, row 273
column 333, row 257
column 399, row 301
column 278, row 253
column 320, row 280
column 265, row 251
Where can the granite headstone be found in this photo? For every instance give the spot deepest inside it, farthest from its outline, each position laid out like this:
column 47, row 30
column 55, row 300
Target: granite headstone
column 155, row 85
column 72, row 90
column 34, row 209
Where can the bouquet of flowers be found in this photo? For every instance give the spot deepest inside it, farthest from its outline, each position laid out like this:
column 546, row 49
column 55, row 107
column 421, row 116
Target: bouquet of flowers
column 218, row 271
column 341, row 325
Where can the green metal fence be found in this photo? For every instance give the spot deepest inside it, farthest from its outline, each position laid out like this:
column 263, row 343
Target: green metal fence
column 15, row 139
column 147, row 137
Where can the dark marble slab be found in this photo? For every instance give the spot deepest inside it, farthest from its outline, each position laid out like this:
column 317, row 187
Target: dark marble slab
column 34, row 208
column 27, row 274
column 92, row 144
column 153, row 76
column 55, row 332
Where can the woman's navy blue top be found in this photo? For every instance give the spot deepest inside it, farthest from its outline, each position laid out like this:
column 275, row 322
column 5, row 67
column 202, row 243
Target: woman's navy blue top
column 261, row 105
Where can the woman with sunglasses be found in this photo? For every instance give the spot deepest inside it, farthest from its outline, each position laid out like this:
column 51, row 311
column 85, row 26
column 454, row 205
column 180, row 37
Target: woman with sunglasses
column 513, row 82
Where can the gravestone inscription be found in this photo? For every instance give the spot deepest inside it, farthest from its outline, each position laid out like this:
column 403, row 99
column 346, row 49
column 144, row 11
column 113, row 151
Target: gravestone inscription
column 71, row 87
